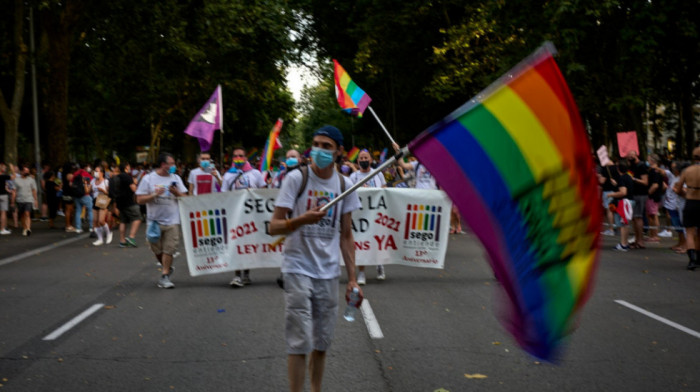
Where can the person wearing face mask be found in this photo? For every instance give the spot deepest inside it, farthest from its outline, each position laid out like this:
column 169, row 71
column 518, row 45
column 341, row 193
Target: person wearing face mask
column 364, row 160
column 291, row 162
column 26, row 198
column 312, row 251
column 205, row 178
column 159, row 191
column 241, row 176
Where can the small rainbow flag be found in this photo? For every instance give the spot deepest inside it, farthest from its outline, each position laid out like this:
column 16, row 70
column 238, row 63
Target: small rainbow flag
column 252, row 153
column 351, row 98
column 517, row 163
column 353, row 154
column 271, row 145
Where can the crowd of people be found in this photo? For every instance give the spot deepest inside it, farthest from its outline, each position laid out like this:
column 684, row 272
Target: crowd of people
column 100, row 197
column 637, row 194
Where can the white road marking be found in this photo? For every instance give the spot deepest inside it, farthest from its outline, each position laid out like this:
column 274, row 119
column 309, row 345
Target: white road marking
column 659, row 318
column 42, row 249
column 375, row 332
column 72, row 323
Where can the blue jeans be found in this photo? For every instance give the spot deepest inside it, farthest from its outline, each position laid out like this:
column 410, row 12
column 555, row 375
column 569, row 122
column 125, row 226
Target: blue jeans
column 80, row 202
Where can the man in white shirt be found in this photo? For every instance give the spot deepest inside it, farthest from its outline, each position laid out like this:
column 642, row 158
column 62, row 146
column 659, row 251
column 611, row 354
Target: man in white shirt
column 312, row 251
column 205, row 178
column 159, row 191
column 26, row 198
column 241, row 176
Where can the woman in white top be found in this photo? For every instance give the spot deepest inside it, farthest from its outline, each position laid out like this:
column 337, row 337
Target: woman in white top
column 100, row 185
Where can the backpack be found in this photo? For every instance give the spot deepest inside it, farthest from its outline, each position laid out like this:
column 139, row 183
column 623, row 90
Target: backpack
column 78, row 187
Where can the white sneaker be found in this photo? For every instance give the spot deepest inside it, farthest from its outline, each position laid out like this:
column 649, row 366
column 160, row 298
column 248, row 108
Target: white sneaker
column 109, row 237
column 5, row 232
column 78, row 231
column 609, row 233
column 666, row 234
column 361, row 278
column 98, row 243
column 60, row 213
column 380, row 272
column 236, row 282
column 165, row 283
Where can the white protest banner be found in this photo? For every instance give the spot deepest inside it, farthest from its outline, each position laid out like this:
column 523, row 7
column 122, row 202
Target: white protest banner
column 228, row 231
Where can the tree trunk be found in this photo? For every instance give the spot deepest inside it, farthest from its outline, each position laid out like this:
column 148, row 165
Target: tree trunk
column 10, row 114
column 60, row 26
column 680, row 149
column 686, row 117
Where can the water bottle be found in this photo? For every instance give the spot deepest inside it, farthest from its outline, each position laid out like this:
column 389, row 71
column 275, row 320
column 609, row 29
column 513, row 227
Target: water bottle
column 351, row 309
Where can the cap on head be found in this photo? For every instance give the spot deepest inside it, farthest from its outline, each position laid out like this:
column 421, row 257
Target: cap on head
column 331, row 132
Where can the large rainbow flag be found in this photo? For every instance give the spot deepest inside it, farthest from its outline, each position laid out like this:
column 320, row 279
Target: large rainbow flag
column 271, row 145
column 351, row 97
column 517, row 163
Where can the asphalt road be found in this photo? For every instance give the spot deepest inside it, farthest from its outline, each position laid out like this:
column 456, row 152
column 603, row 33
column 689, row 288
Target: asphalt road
column 439, row 329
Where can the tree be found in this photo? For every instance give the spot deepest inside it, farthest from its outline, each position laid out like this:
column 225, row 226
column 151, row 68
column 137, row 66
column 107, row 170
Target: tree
column 11, row 113
column 59, row 20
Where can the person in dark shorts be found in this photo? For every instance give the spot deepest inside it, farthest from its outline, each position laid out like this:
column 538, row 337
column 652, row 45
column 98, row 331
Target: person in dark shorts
column 123, row 187
column 640, row 191
column 688, row 186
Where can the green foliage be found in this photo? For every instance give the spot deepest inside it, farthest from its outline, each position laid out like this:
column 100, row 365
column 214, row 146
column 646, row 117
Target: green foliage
column 420, row 60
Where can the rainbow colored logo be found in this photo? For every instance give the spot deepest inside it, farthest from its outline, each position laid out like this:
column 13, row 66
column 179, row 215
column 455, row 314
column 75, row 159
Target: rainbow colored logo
column 422, row 222
column 208, row 227
column 320, row 199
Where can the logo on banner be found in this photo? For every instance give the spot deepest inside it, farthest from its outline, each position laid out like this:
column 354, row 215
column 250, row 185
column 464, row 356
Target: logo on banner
column 422, row 225
column 208, row 228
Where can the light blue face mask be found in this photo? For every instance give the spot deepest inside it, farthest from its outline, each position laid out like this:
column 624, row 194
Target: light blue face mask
column 172, row 169
column 321, row 157
column 291, row 162
column 204, row 164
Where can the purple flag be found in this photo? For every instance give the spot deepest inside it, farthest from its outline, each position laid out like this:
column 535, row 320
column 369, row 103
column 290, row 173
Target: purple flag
column 208, row 120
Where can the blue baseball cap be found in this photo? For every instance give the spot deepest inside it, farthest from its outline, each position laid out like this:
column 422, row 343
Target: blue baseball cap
column 331, row 132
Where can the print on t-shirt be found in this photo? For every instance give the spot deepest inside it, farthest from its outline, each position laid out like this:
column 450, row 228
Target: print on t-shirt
column 316, row 198
column 205, row 183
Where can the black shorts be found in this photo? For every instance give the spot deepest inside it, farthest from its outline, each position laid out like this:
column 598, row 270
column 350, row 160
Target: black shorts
column 691, row 213
column 129, row 214
column 24, row 207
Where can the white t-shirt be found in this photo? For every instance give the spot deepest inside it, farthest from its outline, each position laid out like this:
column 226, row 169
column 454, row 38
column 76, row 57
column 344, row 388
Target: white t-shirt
column 94, row 186
column 314, row 250
column 377, row 181
column 250, row 179
column 163, row 209
column 203, row 182
column 424, row 180
column 25, row 186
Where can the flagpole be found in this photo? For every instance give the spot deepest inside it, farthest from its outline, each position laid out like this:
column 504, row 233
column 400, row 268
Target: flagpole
column 352, row 189
column 382, row 125
column 221, row 147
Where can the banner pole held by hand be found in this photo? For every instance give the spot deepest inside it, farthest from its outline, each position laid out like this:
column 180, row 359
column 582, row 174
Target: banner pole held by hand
column 352, row 189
